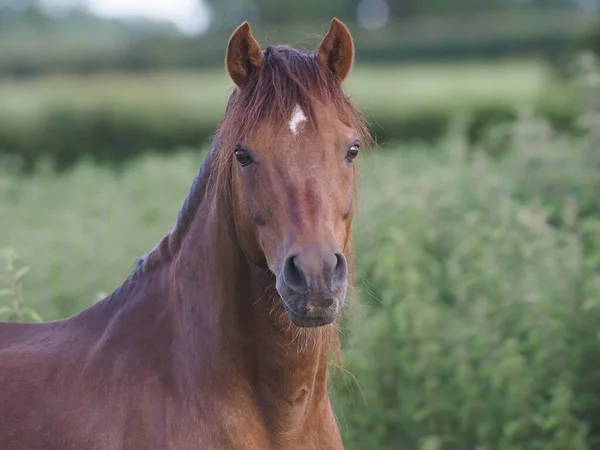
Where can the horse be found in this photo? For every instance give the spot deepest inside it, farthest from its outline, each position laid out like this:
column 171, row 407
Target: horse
column 221, row 336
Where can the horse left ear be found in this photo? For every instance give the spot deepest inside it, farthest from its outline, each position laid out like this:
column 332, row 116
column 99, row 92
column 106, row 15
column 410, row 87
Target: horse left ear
column 244, row 55
column 336, row 51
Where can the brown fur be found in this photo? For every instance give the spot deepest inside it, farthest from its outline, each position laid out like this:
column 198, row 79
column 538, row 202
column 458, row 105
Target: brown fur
column 195, row 350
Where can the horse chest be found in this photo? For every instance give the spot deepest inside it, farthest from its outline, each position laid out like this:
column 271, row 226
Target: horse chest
column 291, row 421
column 285, row 424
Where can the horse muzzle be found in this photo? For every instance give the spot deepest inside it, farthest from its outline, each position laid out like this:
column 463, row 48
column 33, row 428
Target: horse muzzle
column 313, row 283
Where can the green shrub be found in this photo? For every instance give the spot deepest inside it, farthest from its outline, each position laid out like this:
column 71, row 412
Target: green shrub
column 588, row 39
column 479, row 322
column 11, row 296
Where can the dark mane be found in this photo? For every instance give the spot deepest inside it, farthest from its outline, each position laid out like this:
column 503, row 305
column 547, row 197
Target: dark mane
column 287, row 78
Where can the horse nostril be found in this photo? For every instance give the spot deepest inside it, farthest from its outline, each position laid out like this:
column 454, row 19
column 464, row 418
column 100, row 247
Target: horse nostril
column 341, row 269
column 293, row 274
column 315, row 304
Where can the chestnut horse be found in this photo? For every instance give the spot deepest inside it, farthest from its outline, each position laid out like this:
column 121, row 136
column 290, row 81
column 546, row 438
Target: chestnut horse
column 220, row 338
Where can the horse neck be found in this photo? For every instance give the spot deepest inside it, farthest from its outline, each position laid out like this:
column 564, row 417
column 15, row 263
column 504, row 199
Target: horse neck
column 231, row 325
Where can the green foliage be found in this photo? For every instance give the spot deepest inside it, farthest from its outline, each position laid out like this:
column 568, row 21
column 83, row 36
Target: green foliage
column 114, row 118
column 11, row 298
column 35, row 44
column 62, row 225
column 479, row 282
column 273, row 12
column 479, row 323
column 589, row 39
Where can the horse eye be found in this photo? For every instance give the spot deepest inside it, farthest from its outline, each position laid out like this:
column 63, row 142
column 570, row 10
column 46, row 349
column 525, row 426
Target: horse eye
column 353, row 152
column 243, row 157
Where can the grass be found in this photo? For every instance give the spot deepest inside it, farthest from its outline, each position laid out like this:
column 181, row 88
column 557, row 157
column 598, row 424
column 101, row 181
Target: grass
column 111, row 118
column 391, row 88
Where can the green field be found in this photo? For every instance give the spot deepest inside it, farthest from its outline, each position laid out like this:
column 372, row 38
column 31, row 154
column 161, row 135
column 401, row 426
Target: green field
column 112, row 117
column 477, row 325
column 390, row 88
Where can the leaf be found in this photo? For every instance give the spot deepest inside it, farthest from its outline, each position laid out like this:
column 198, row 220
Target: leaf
column 5, row 310
column 431, row 443
column 22, row 271
column 34, row 315
column 5, row 292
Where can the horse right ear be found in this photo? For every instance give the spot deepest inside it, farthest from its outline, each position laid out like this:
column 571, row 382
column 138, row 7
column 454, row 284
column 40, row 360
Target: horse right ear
column 244, row 55
column 336, row 51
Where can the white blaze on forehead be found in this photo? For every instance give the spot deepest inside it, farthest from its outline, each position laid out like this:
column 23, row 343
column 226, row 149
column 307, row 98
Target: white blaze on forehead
column 297, row 117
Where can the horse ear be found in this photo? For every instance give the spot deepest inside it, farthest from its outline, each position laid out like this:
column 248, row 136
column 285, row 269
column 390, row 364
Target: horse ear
column 336, row 51
column 244, row 55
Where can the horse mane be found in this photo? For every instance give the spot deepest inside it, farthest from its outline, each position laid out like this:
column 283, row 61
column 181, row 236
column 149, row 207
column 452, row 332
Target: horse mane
column 286, row 79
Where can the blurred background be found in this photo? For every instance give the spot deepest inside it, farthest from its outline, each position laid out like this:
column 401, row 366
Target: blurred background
column 478, row 234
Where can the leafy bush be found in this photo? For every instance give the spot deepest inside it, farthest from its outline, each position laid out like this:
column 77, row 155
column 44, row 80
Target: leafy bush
column 11, row 297
column 479, row 323
column 589, row 38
